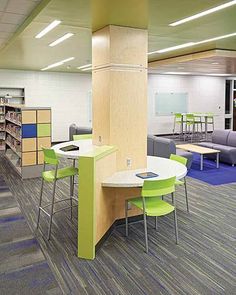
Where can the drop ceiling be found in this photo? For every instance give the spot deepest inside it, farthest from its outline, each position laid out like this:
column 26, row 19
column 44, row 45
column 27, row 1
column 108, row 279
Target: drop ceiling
column 81, row 17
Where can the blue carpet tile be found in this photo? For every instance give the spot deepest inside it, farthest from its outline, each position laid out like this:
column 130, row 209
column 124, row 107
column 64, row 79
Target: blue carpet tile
column 210, row 174
column 23, row 268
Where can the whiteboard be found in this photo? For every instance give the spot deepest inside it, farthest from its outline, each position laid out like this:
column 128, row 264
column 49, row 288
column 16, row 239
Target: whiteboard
column 170, row 103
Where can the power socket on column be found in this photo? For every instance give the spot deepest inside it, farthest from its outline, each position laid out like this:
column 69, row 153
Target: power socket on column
column 128, row 162
column 99, row 138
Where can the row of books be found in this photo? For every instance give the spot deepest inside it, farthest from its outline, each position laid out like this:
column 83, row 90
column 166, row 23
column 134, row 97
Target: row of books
column 14, row 116
column 14, row 130
column 15, row 144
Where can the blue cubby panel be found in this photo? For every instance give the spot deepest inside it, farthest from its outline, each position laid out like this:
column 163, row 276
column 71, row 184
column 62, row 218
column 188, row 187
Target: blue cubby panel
column 29, row 130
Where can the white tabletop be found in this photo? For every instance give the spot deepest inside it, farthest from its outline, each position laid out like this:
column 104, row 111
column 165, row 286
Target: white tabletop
column 165, row 168
column 85, row 146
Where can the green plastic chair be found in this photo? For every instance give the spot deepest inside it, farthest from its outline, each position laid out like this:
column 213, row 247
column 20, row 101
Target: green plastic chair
column 183, row 161
column 52, row 176
column 82, row 136
column 178, row 120
column 151, row 203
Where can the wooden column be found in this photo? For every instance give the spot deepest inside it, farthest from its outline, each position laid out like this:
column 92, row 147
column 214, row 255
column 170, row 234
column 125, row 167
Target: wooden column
column 119, row 85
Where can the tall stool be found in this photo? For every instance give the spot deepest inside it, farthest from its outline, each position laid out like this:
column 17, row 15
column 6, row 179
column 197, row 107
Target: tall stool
column 178, row 121
column 209, row 121
column 52, row 176
column 190, row 123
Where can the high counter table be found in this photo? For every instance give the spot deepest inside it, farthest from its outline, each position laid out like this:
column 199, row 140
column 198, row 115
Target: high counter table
column 103, row 190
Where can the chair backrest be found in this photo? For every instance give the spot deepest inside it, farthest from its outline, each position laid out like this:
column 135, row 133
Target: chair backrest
column 190, row 117
column 82, row 136
column 157, row 188
column 50, row 157
column 178, row 117
column 179, row 159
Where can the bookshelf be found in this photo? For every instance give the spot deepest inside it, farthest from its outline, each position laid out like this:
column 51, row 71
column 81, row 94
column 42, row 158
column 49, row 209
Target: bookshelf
column 24, row 131
column 12, row 95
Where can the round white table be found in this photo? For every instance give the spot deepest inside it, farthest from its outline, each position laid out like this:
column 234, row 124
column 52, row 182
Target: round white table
column 165, row 168
column 85, row 146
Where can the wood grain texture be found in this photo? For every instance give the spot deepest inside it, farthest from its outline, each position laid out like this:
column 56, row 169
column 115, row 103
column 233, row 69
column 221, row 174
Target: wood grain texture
column 29, row 159
column 28, row 117
column 29, row 144
column 204, row 262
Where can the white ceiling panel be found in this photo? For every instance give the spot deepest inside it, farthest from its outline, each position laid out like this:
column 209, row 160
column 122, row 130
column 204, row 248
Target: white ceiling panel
column 12, row 18
column 20, row 6
column 7, row 28
column 3, row 4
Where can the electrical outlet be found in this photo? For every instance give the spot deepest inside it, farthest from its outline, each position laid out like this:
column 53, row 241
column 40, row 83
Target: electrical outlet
column 99, row 138
column 128, row 162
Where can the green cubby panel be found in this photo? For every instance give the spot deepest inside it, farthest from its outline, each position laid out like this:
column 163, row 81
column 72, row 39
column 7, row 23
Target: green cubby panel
column 43, row 130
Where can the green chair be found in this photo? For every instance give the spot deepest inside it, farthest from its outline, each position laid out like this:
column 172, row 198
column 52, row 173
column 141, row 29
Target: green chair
column 52, row 176
column 151, row 203
column 178, row 121
column 82, row 136
column 183, row 161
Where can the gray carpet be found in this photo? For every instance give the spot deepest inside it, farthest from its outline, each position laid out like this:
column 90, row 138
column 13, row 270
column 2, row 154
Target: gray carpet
column 204, row 262
column 23, row 268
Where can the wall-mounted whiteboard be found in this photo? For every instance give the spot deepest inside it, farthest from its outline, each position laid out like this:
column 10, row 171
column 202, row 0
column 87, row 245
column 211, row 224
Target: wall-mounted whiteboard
column 170, row 102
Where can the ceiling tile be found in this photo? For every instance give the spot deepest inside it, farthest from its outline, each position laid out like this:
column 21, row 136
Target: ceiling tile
column 12, row 18
column 3, row 4
column 7, row 28
column 5, row 35
column 20, row 6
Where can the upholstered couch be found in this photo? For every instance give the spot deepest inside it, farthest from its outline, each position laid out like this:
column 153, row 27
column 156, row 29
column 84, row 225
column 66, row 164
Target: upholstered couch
column 164, row 147
column 225, row 141
column 74, row 129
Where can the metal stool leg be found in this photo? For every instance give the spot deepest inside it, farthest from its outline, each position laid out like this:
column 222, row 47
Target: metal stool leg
column 40, row 202
column 186, row 194
column 52, row 207
column 126, row 219
column 71, row 195
column 176, row 227
column 156, row 222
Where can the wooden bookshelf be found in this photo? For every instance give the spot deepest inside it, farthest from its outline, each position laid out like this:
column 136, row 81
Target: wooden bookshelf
column 26, row 130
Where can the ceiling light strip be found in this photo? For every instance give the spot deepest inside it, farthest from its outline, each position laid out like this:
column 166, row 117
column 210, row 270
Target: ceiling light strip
column 192, row 44
column 203, row 13
column 48, row 29
column 84, row 66
column 61, row 39
column 57, row 64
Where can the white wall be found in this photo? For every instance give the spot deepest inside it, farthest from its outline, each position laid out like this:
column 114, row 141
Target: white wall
column 66, row 94
column 205, row 94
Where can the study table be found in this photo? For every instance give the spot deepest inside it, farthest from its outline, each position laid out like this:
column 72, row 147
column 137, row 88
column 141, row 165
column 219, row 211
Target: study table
column 103, row 190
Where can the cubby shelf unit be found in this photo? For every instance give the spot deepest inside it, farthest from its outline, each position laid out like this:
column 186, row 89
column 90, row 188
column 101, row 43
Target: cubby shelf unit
column 26, row 131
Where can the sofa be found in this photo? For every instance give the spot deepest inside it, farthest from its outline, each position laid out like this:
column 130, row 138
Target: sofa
column 225, row 142
column 164, row 147
column 74, row 130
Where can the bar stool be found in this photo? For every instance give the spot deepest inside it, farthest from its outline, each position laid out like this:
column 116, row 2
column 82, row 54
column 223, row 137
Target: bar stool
column 190, row 122
column 178, row 121
column 52, row 176
column 209, row 121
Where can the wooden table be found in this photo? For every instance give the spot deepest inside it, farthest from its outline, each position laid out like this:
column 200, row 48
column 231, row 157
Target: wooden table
column 201, row 151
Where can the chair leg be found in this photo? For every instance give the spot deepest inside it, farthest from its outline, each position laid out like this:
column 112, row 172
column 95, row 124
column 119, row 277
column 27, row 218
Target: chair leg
column 126, row 219
column 71, row 195
column 52, row 207
column 145, row 230
column 40, row 202
column 172, row 198
column 176, row 227
column 156, row 222
column 186, row 194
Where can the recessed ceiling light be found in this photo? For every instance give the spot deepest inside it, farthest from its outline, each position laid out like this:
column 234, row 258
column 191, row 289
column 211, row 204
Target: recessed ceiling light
column 192, row 44
column 172, row 48
column 61, row 39
column 84, row 66
column 177, row 73
column 57, row 64
column 203, row 13
column 216, row 38
column 48, row 29
column 87, row 69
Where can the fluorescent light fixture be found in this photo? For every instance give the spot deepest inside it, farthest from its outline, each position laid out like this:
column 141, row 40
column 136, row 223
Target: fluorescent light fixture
column 48, row 29
column 192, row 43
column 87, row 69
column 220, row 75
column 176, row 73
column 173, row 48
column 215, row 63
column 216, row 38
column 203, row 13
column 57, row 64
column 85, row 66
column 61, row 39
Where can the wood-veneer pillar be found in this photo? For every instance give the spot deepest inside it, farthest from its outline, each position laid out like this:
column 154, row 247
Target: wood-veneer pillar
column 119, row 86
